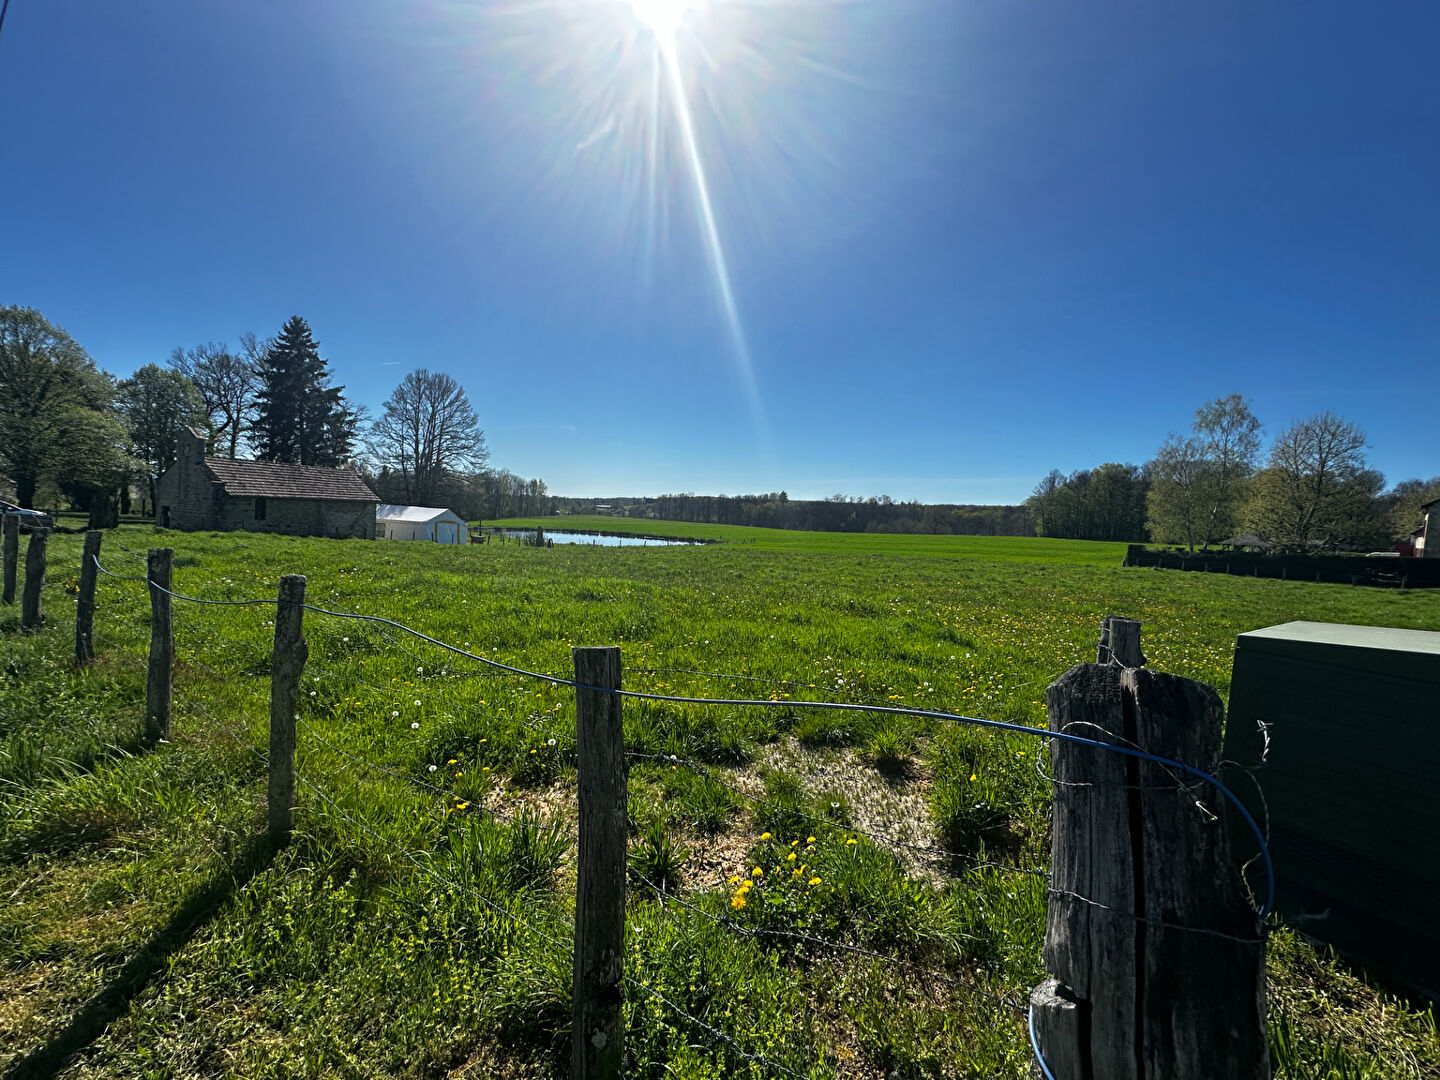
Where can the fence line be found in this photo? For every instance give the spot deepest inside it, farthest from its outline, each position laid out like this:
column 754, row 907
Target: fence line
column 1112, row 742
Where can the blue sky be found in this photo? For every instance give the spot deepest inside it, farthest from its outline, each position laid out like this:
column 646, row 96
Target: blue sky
column 966, row 241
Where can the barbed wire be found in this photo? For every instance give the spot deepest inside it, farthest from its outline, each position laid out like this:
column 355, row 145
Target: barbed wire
column 433, row 788
column 429, row 871
column 667, row 897
column 927, row 849
column 1067, row 894
column 748, row 1055
column 993, row 725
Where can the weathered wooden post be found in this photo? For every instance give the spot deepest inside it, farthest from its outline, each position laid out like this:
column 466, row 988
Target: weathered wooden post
column 287, row 663
column 12, row 555
column 159, row 681
column 1120, row 642
column 32, row 615
column 85, row 601
column 598, row 1041
column 1157, row 961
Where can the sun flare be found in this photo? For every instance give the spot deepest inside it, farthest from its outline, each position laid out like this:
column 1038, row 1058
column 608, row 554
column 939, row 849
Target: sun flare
column 663, row 17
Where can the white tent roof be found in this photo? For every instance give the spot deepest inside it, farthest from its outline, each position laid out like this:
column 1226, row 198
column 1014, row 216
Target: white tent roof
column 387, row 512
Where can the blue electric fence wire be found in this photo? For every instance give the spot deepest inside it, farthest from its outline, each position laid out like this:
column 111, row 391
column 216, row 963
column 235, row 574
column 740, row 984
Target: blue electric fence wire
column 891, row 710
column 975, row 721
column 1035, row 1046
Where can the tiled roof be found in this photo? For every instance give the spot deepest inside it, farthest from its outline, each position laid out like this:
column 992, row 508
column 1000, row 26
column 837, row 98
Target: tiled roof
column 276, row 481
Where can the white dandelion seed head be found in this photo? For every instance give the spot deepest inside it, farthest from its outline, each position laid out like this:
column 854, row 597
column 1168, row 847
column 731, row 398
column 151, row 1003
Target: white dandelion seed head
column 414, row 724
column 434, row 767
column 394, row 712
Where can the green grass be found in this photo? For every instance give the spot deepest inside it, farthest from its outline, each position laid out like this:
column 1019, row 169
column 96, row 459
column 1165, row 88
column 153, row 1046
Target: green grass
column 405, row 931
column 990, row 548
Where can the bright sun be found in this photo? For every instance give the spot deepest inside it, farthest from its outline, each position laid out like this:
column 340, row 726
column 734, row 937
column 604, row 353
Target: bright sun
column 663, row 17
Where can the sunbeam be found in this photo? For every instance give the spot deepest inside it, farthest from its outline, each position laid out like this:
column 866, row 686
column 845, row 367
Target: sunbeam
column 671, row 61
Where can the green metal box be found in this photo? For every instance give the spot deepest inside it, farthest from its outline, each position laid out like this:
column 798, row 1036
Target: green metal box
column 1339, row 727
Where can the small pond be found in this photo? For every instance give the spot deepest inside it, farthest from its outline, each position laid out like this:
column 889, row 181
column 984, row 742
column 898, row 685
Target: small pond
column 562, row 536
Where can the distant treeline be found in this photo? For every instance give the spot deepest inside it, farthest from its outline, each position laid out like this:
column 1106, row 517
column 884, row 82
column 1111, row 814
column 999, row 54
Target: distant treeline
column 1104, row 503
column 776, row 510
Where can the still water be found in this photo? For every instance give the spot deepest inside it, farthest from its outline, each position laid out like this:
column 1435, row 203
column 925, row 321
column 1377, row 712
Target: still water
column 560, row 536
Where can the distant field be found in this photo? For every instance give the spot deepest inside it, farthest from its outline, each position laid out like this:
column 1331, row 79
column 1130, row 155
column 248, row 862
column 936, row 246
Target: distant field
column 362, row 950
column 990, row 548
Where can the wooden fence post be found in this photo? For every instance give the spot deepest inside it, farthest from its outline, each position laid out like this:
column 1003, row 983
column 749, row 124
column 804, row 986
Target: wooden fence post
column 1157, row 960
column 32, row 615
column 12, row 555
column 1120, row 642
column 598, row 1042
column 159, row 682
column 85, row 602
column 287, row 663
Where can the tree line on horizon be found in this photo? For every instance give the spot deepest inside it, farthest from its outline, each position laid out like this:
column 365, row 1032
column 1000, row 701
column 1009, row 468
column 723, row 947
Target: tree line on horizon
column 1312, row 492
column 839, row 513
column 72, row 433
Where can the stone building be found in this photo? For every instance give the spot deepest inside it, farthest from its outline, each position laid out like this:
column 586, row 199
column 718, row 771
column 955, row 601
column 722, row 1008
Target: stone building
column 200, row 492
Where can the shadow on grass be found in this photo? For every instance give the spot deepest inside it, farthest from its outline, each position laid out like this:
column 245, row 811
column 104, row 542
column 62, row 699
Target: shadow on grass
column 225, row 878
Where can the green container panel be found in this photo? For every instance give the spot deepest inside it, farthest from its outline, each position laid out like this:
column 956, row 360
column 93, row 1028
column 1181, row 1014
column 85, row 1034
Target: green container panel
column 1349, row 779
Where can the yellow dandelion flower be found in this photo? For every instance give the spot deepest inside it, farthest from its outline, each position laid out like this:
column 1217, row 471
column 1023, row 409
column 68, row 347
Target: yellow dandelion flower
column 972, row 777
column 852, row 840
column 734, row 880
column 462, row 806
column 795, row 873
column 810, row 840
column 794, row 843
column 764, row 836
column 814, row 881
column 737, row 901
column 452, row 761
column 790, row 857
column 757, row 872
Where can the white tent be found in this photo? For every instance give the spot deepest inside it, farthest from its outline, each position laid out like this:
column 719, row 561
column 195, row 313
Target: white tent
column 420, row 523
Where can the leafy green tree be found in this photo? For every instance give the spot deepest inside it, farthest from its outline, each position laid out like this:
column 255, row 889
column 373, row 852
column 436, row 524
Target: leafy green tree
column 51, row 398
column 1199, row 481
column 156, row 403
column 1182, row 479
column 1104, row 503
column 1316, row 493
column 95, row 468
column 1403, row 502
column 1229, row 436
column 301, row 418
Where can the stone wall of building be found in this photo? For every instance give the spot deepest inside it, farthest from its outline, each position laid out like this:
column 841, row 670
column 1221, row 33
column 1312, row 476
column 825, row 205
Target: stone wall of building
column 299, row 517
column 185, row 497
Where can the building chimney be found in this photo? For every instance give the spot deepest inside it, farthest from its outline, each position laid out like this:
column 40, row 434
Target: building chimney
column 191, row 448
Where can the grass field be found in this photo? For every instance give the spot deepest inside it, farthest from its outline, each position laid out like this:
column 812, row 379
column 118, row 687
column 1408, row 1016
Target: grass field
column 418, row 924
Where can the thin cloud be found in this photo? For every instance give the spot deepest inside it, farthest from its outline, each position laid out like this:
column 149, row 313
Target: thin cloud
column 605, row 129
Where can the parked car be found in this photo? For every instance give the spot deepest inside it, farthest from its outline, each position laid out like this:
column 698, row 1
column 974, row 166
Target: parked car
column 30, row 520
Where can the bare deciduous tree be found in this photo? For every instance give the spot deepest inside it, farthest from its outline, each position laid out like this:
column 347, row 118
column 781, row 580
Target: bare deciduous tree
column 227, row 383
column 427, row 432
column 1317, row 494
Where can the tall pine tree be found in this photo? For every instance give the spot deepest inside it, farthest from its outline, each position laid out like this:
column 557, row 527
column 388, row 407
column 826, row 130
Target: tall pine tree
column 301, row 418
